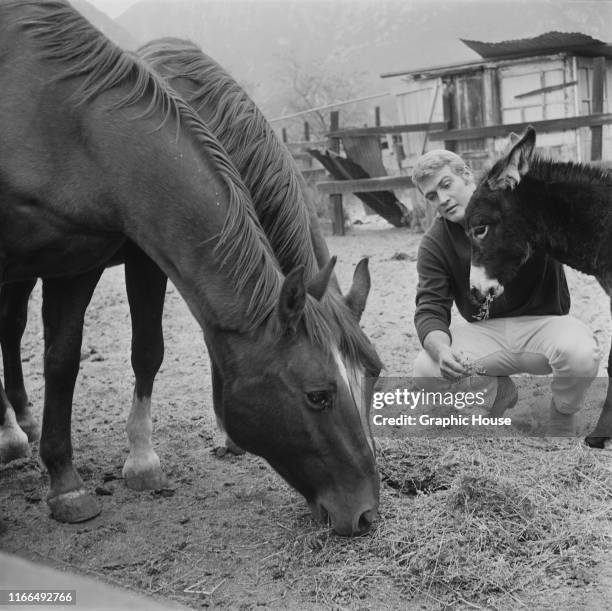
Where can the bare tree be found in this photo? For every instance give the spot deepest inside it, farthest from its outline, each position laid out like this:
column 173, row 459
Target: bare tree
column 311, row 84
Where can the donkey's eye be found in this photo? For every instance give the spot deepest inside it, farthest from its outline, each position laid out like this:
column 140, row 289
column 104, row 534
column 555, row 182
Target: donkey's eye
column 480, row 231
column 320, row 400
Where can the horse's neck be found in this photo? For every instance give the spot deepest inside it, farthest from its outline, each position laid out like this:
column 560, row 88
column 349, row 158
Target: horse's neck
column 309, row 247
column 565, row 225
column 175, row 210
column 128, row 171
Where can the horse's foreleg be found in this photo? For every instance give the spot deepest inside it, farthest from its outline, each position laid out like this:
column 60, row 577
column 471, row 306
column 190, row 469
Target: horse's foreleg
column 17, row 424
column 64, row 303
column 13, row 441
column 600, row 437
column 14, row 299
column 146, row 289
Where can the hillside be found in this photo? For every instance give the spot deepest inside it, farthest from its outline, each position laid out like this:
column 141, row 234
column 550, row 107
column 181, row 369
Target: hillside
column 255, row 39
column 106, row 25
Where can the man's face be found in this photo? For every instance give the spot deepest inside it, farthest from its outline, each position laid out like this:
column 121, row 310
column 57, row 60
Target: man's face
column 448, row 193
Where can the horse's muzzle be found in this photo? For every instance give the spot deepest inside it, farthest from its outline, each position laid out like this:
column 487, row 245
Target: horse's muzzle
column 343, row 523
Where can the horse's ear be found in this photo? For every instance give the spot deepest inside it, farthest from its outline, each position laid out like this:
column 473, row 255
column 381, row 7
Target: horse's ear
column 318, row 284
column 292, row 300
column 509, row 170
column 358, row 294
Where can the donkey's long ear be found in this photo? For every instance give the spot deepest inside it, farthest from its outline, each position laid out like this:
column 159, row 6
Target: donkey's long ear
column 358, row 294
column 508, row 171
column 292, row 300
column 513, row 138
column 318, row 284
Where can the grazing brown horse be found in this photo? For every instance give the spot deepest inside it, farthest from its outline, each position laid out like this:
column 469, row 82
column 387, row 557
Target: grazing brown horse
column 137, row 162
column 526, row 203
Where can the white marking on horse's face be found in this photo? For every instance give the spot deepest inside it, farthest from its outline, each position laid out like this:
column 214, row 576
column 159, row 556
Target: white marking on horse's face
column 527, row 255
column 354, row 377
column 480, row 282
column 605, row 280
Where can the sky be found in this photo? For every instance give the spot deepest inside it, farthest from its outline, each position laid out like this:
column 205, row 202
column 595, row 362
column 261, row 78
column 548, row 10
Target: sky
column 113, row 8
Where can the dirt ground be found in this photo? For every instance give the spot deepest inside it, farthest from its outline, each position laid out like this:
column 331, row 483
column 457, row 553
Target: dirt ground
column 222, row 535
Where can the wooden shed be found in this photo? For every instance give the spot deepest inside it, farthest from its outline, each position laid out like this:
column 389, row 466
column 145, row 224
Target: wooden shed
column 560, row 82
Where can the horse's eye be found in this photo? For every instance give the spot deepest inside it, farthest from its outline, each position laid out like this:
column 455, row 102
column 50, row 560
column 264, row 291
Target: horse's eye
column 373, row 373
column 480, row 231
column 320, row 400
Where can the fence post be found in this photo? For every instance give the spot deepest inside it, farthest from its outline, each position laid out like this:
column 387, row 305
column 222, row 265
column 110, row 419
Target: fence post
column 306, row 131
column 335, row 199
column 448, row 109
column 599, row 76
column 284, row 134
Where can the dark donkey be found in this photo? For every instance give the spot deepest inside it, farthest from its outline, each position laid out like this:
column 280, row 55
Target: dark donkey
column 113, row 152
column 525, row 203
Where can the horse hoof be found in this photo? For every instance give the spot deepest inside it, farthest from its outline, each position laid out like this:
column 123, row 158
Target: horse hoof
column 144, row 474
column 146, row 481
column 596, row 442
column 14, row 445
column 72, row 507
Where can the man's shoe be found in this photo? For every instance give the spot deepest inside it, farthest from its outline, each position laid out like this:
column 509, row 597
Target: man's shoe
column 506, row 396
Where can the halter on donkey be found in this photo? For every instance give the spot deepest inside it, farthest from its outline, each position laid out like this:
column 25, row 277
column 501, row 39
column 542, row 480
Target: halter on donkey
column 138, row 162
column 525, row 204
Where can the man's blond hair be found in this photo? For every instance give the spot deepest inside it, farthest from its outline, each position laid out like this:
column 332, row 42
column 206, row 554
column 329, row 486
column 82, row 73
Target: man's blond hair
column 433, row 161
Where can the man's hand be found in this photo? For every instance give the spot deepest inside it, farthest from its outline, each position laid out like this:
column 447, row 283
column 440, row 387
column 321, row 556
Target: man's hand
column 450, row 363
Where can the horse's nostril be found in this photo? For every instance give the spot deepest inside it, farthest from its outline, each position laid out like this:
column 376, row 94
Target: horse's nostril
column 366, row 520
column 324, row 514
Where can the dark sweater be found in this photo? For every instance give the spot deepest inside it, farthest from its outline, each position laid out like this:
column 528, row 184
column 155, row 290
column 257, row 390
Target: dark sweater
column 443, row 264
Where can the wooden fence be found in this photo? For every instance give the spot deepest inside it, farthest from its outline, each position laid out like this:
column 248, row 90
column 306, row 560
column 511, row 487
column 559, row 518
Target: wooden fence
column 337, row 139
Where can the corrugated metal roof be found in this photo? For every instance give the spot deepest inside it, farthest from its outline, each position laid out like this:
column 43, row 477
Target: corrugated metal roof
column 550, row 42
column 437, row 70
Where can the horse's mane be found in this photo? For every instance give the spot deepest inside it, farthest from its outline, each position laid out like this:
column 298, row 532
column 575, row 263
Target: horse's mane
column 267, row 169
column 63, row 35
column 242, row 248
column 550, row 170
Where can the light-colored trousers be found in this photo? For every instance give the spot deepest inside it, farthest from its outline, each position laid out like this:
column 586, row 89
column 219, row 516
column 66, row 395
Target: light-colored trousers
column 537, row 345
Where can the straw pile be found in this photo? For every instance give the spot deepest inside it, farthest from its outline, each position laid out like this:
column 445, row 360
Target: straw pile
column 474, row 523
